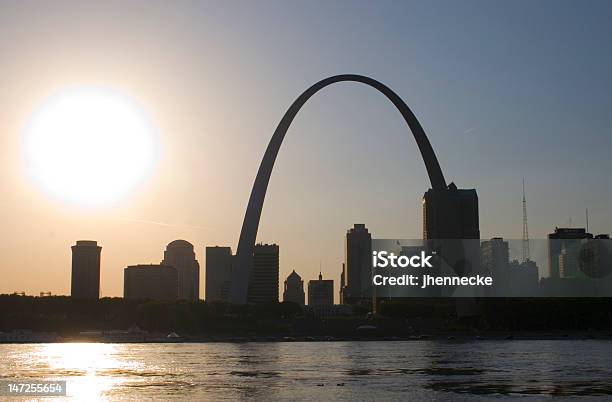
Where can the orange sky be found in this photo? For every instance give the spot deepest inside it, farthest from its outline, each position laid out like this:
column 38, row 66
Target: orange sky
column 217, row 79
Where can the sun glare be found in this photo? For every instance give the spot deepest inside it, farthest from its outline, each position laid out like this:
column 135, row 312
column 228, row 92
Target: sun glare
column 89, row 146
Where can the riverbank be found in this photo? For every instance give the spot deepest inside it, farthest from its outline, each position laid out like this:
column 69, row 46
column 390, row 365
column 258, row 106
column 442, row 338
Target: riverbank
column 34, row 337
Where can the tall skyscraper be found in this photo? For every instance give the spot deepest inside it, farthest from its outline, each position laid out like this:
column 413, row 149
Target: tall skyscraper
column 450, row 213
column 321, row 292
column 85, row 282
column 180, row 255
column 218, row 273
column 263, row 283
column 358, row 264
column 563, row 247
column 156, row 282
column 294, row 289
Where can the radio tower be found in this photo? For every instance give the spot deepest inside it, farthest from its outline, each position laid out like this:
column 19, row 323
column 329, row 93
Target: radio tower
column 525, row 228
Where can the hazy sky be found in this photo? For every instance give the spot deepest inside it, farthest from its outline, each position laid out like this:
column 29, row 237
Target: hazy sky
column 503, row 89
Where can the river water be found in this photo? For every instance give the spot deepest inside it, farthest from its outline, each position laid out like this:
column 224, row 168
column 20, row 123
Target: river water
column 411, row 370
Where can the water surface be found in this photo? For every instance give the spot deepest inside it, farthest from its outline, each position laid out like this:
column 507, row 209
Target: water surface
column 417, row 370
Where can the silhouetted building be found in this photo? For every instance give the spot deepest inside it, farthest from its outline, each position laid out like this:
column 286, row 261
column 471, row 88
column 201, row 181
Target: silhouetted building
column 321, row 292
column 294, row 289
column 494, row 256
column 595, row 257
column 450, row 213
column 156, row 282
column 525, row 278
column 510, row 279
column 180, row 255
column 263, row 283
column 563, row 248
column 85, row 280
column 218, row 273
column 358, row 264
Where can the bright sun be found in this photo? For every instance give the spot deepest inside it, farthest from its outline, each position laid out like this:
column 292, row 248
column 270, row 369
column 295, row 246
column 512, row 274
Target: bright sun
column 89, row 145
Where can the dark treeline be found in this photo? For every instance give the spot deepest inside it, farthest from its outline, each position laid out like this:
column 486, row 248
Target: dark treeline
column 68, row 316
column 512, row 314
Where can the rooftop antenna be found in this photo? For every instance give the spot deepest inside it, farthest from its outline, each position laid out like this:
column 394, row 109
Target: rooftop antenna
column 525, row 227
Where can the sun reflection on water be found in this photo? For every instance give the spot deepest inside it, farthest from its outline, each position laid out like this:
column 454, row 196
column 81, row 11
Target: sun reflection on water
column 83, row 366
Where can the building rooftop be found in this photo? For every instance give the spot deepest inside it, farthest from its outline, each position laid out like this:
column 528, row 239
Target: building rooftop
column 180, row 244
column 89, row 243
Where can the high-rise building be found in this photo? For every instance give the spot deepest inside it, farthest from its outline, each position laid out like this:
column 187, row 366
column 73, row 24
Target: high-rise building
column 263, row 283
column 358, row 264
column 510, row 278
column 321, row 292
column 563, row 248
column 294, row 289
column 494, row 256
column 85, row 270
column 218, row 273
column 450, row 214
column 180, row 255
column 494, row 261
column 155, row 282
column 525, row 278
column 596, row 257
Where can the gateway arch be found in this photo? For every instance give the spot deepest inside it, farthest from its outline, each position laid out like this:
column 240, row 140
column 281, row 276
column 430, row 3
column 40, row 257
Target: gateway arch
column 248, row 235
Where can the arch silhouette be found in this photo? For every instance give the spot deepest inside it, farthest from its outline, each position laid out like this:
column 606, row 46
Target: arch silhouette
column 248, row 235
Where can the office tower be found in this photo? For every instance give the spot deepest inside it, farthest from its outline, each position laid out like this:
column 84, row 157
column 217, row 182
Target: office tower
column 218, row 273
column 321, row 292
column 563, row 248
column 85, row 270
column 294, row 289
column 495, row 261
column 358, row 264
column 596, row 257
column 525, row 278
column 263, row 283
column 510, row 278
column 450, row 213
column 494, row 256
column 180, row 255
column 156, row 282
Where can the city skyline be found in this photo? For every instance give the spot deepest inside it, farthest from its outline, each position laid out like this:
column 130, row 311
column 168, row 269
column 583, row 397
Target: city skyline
column 86, row 256
column 551, row 115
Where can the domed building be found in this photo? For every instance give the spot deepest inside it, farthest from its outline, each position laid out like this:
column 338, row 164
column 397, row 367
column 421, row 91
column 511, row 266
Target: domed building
column 294, row 289
column 180, row 255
